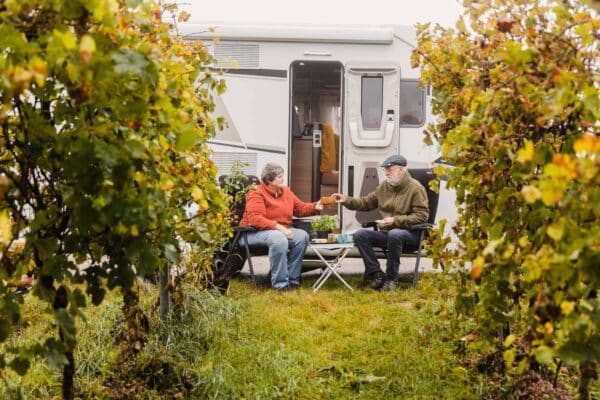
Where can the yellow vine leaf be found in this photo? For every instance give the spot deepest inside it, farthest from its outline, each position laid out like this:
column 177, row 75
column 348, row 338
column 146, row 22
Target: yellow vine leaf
column 197, row 194
column 531, row 193
column 555, row 231
column 87, row 44
column 526, row 153
column 5, row 227
column 567, row 307
column 477, row 267
column 567, row 165
column 523, row 241
column 587, row 144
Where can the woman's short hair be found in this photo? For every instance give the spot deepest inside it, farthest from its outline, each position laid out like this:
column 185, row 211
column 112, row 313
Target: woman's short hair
column 270, row 172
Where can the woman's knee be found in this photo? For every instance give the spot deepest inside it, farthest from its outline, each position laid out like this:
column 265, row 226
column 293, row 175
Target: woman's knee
column 302, row 236
column 278, row 242
column 300, row 239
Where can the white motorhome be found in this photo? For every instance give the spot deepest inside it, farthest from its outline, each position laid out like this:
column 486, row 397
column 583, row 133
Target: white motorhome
column 290, row 87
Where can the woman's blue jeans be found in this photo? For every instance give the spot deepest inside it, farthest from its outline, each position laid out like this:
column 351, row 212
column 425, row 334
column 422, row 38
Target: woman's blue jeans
column 285, row 255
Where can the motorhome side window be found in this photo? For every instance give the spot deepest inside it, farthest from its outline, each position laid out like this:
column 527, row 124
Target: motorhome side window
column 372, row 101
column 412, row 103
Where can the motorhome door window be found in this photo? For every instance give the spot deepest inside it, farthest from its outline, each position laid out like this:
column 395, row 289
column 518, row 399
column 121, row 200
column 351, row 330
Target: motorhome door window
column 371, row 101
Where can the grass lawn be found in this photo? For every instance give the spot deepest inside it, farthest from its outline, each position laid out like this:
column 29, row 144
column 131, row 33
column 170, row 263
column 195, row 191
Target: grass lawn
column 260, row 344
column 339, row 344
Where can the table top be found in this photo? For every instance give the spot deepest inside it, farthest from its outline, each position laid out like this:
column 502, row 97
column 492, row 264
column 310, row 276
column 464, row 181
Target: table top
column 331, row 246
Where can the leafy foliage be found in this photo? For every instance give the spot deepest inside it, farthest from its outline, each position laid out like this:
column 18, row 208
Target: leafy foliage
column 324, row 223
column 104, row 116
column 517, row 98
column 236, row 184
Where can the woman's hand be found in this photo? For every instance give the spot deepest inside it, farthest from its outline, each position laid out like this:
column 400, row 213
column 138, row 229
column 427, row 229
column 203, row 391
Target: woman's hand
column 288, row 234
column 340, row 198
column 319, row 206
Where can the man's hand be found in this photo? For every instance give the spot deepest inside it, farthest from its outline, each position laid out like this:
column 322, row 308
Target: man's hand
column 340, row 198
column 385, row 222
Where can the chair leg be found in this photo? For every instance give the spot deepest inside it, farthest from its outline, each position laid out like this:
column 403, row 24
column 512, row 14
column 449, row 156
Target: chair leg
column 418, row 261
column 234, row 243
column 250, row 265
column 415, row 274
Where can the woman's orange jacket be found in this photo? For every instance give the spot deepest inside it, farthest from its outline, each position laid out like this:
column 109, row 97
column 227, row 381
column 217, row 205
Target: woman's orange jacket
column 264, row 209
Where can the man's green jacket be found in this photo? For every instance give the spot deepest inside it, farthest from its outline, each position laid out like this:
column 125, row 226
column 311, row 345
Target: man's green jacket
column 406, row 202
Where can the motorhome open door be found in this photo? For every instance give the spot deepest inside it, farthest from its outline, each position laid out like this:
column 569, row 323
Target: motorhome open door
column 370, row 132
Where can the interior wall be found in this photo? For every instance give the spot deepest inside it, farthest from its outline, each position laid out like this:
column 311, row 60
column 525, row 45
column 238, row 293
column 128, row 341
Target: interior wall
column 329, row 112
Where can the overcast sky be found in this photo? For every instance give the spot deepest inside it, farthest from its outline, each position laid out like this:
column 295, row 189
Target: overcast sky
column 401, row 12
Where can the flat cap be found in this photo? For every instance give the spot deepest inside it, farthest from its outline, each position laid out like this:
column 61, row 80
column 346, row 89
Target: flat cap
column 394, row 160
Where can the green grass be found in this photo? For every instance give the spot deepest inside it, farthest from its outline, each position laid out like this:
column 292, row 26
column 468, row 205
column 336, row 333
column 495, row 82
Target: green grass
column 93, row 354
column 339, row 344
column 260, row 344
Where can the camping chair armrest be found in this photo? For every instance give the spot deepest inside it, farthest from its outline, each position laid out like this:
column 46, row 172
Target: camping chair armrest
column 371, row 224
column 421, row 227
column 245, row 228
column 417, row 227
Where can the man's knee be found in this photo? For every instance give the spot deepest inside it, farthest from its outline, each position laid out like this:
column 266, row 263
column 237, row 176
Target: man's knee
column 399, row 235
column 361, row 235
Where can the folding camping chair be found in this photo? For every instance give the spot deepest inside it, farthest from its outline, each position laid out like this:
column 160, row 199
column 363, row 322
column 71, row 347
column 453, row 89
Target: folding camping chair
column 424, row 176
column 230, row 259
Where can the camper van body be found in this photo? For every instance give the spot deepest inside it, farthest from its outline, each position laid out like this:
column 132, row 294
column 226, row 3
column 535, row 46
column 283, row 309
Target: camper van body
column 285, row 82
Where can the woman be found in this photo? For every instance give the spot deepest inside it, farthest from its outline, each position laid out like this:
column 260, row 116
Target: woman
column 269, row 209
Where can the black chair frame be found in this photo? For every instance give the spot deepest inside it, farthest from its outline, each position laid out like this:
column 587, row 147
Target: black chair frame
column 230, row 259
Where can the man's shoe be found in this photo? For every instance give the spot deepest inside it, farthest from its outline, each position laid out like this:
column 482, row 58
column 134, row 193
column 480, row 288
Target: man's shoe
column 366, row 282
column 388, row 285
column 378, row 280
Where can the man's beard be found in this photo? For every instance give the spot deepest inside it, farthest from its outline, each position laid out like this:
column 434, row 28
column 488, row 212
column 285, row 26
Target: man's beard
column 394, row 179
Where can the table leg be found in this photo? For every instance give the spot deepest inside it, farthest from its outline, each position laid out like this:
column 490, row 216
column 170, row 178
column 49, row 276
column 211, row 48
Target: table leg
column 331, row 268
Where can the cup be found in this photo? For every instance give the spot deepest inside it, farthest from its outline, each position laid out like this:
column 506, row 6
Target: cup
column 342, row 238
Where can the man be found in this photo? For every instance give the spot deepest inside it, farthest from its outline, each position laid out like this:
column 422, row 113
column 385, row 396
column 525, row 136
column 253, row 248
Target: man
column 402, row 201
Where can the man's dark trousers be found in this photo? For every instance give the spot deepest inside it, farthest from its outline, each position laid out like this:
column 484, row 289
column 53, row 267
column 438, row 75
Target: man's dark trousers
column 395, row 241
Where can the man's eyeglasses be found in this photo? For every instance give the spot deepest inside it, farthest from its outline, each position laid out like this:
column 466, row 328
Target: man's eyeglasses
column 389, row 167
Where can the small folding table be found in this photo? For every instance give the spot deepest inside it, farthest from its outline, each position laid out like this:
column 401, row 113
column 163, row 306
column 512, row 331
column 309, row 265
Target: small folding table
column 333, row 265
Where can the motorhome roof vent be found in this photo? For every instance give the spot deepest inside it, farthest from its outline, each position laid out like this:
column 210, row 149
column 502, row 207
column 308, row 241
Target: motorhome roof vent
column 226, row 160
column 240, row 55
